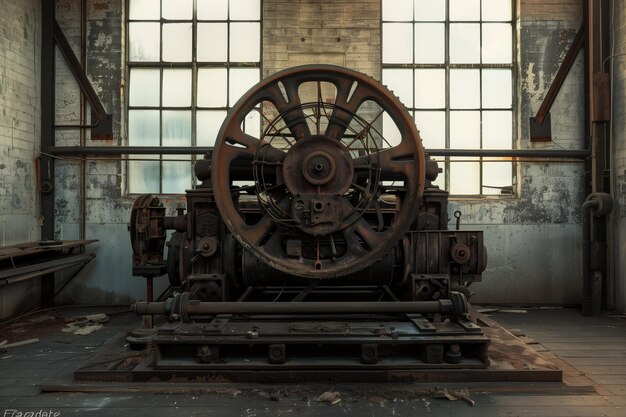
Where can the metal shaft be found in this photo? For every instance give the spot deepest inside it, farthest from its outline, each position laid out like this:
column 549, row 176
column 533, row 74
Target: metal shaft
column 211, row 308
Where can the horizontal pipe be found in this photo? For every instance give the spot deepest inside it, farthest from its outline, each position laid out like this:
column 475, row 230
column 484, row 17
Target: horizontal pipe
column 124, row 150
column 200, row 150
column 330, row 307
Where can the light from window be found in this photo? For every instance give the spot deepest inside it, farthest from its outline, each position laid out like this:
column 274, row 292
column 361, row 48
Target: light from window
column 451, row 63
column 186, row 69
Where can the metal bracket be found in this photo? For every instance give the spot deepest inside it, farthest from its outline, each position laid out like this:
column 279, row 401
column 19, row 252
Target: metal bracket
column 422, row 324
column 540, row 130
column 469, row 326
column 102, row 129
column 217, row 324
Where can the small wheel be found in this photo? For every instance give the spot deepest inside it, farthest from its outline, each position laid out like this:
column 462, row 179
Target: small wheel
column 318, row 171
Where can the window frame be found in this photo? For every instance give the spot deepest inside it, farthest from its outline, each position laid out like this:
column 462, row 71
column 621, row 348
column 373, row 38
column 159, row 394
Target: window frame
column 447, row 66
column 194, row 66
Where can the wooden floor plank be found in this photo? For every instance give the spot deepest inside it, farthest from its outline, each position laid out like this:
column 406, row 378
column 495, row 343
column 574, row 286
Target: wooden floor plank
column 583, row 353
column 603, row 369
column 608, row 361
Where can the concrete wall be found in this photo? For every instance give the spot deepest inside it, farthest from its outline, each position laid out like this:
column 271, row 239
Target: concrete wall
column 107, row 279
column 533, row 239
column 20, row 47
column 618, row 69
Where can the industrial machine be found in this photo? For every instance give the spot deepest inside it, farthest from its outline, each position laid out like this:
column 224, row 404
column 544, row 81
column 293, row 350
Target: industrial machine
column 314, row 239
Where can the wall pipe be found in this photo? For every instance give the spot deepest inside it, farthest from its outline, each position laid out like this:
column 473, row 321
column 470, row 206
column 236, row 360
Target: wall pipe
column 597, row 205
column 193, row 150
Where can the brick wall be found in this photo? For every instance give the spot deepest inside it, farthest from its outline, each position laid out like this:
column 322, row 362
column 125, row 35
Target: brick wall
column 302, row 32
column 20, row 42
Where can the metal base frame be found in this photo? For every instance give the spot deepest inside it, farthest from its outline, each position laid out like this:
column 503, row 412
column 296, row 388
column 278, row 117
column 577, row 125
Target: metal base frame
column 318, row 348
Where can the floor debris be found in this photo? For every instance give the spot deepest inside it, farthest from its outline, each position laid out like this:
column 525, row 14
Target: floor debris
column 452, row 395
column 85, row 325
column 331, row 397
column 21, row 343
column 376, row 399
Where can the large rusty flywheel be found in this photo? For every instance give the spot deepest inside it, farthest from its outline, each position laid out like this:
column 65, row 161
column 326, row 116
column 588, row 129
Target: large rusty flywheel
column 338, row 171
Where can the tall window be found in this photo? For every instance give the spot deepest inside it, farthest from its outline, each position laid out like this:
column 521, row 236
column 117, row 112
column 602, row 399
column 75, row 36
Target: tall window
column 451, row 63
column 189, row 61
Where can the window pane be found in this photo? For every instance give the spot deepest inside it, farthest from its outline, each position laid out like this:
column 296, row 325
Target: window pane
column 143, row 127
column 143, row 130
column 497, row 43
column 176, row 87
column 497, row 174
column 497, row 90
column 464, row 130
column 464, row 89
column 430, row 88
column 212, row 86
column 466, row 10
column 212, row 42
column 143, row 10
column 212, row 9
column 464, row 176
column 497, row 129
column 245, row 42
column 397, row 48
column 400, row 81
column 245, row 9
column 208, row 123
column 241, row 80
column 434, row 10
column 465, row 43
column 429, row 43
column 177, row 9
column 391, row 132
column 432, row 128
column 496, row 10
column 143, row 176
column 398, row 10
column 177, row 42
column 176, row 175
column 176, row 128
column 176, row 132
column 145, row 87
column 252, row 124
column 143, row 41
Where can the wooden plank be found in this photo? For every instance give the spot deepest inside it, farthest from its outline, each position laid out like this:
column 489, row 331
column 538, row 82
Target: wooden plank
column 607, row 379
column 603, row 369
column 557, row 346
column 578, row 361
column 583, row 353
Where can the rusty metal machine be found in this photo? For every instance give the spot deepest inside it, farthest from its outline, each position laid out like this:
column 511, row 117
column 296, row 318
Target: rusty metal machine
column 315, row 239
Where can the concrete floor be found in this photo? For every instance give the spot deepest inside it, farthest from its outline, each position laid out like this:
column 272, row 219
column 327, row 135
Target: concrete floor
column 591, row 352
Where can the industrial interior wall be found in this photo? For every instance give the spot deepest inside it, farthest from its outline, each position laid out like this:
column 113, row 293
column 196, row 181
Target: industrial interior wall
column 20, row 49
column 618, row 158
column 106, row 210
column 533, row 239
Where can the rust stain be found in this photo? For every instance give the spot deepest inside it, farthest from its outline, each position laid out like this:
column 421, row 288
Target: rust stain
column 101, row 6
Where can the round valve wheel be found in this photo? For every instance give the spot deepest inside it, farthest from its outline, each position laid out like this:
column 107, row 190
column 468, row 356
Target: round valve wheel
column 333, row 142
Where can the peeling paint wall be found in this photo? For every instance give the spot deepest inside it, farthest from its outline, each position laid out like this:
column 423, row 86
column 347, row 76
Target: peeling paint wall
column 618, row 151
column 107, row 279
column 534, row 239
column 20, row 49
